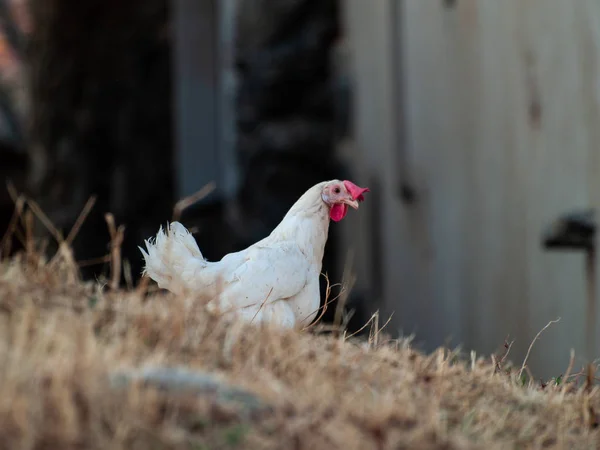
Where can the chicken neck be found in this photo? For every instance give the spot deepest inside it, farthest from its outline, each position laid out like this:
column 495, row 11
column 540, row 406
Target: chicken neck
column 307, row 223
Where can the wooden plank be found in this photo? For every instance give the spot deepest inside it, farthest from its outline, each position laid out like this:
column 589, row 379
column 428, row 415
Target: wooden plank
column 501, row 114
column 195, row 94
column 372, row 136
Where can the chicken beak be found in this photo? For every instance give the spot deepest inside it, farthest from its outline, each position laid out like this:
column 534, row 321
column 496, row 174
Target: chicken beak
column 351, row 202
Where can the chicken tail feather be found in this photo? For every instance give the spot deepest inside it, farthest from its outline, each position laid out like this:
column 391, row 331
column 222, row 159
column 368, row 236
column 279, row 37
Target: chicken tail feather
column 170, row 257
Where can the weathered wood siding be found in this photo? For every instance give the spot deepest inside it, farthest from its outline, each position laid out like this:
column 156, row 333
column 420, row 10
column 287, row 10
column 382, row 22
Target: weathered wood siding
column 490, row 111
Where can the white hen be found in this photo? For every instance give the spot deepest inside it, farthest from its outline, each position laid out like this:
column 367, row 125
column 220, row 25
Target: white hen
column 274, row 280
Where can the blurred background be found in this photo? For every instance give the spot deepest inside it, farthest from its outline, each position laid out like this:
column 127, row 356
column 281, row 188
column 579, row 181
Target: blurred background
column 475, row 124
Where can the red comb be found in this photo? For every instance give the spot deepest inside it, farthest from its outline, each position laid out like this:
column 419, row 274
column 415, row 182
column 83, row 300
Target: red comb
column 355, row 191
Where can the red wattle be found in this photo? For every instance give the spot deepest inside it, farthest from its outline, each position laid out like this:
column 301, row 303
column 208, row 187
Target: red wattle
column 338, row 212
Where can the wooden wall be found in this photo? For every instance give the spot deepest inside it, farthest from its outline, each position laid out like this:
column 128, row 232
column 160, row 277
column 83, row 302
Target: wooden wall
column 489, row 112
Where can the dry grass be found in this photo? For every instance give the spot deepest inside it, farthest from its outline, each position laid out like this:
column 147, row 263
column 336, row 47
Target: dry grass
column 60, row 340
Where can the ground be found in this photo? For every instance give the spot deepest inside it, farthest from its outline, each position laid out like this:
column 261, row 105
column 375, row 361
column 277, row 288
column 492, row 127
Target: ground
column 70, row 353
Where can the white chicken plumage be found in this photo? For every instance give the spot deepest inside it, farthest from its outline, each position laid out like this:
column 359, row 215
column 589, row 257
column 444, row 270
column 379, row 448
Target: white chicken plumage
column 276, row 279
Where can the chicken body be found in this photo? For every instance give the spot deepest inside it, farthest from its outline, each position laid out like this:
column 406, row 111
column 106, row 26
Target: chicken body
column 274, row 280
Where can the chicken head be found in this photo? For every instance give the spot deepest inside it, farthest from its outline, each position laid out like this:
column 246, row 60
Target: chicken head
column 338, row 195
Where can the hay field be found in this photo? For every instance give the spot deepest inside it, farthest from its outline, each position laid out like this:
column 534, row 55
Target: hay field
column 73, row 357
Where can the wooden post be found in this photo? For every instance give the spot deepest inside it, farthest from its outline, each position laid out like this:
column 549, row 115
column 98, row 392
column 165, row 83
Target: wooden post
column 204, row 95
column 227, row 82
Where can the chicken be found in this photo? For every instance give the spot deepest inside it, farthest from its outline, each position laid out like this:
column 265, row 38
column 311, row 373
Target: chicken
column 275, row 280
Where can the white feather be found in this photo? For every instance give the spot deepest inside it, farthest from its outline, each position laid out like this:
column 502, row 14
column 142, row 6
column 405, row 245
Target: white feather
column 172, row 254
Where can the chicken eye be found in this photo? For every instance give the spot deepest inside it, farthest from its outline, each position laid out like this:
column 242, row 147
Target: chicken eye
column 336, row 190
